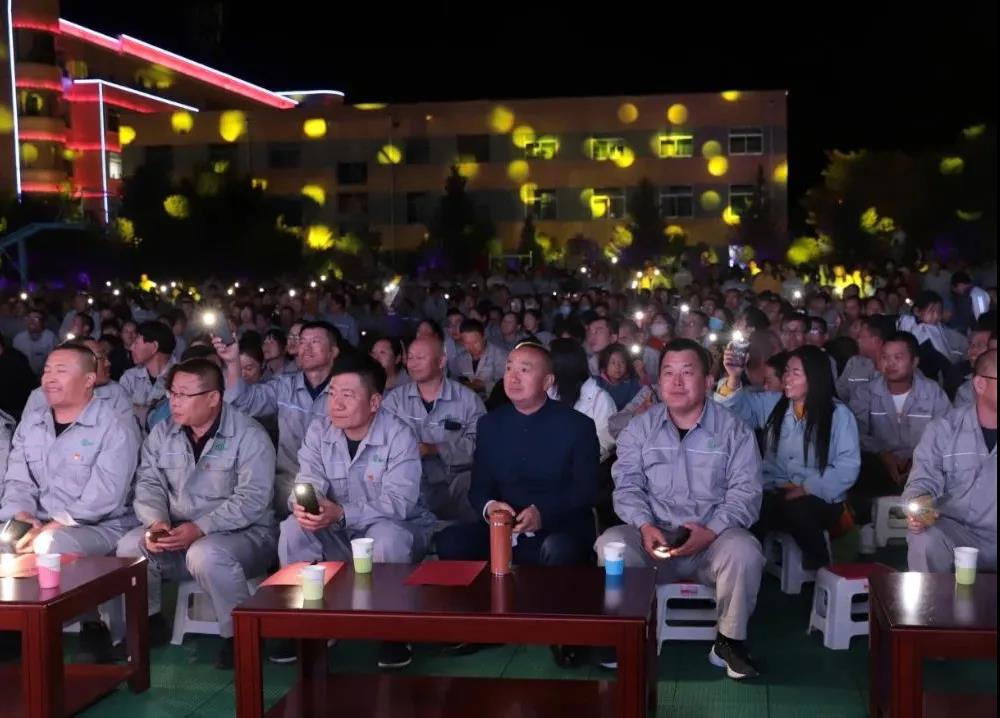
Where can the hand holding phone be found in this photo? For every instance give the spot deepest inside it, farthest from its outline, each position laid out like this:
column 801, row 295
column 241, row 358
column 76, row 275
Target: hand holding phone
column 215, row 323
column 305, row 496
column 13, row 531
column 157, row 535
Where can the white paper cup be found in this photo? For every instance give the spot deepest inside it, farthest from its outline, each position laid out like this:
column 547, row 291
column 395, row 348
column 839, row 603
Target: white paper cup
column 312, row 582
column 965, row 564
column 614, row 558
column 363, row 550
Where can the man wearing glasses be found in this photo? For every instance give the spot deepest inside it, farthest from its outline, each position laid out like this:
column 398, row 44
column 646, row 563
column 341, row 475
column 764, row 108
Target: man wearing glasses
column 203, row 495
column 106, row 389
column 953, row 482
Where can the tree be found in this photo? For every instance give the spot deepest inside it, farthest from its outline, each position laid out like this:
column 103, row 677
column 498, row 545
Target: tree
column 648, row 238
column 459, row 232
column 529, row 242
column 757, row 227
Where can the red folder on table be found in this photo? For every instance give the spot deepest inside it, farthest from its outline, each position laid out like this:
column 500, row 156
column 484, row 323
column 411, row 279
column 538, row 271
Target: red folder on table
column 290, row 575
column 445, row 573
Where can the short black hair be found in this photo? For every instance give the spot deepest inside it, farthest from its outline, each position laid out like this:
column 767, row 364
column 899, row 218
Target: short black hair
column 926, row 299
column 472, row 325
column 334, row 335
column 453, row 311
column 818, row 323
column 960, row 277
column 88, row 360
column 905, row 338
column 207, row 371
column 879, row 325
column 688, row 345
column 370, row 372
column 613, row 325
column 755, row 319
column 88, row 323
column 155, row 331
column 435, row 328
column 198, row 351
column 277, row 335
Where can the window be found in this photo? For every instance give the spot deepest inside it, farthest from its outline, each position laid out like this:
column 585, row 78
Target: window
column 677, row 201
column 36, row 104
column 676, row 145
column 113, row 120
column 114, row 166
column 418, row 151
column 222, row 152
column 746, row 141
column 284, row 155
column 543, row 205
column 352, row 173
column 416, row 203
column 607, row 148
column 544, row 148
column 161, row 156
column 608, row 203
column 352, row 203
column 473, row 148
column 35, row 46
column 740, row 197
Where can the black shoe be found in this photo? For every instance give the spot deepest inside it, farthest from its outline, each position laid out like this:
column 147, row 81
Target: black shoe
column 224, row 661
column 568, row 656
column 732, row 655
column 95, row 642
column 283, row 651
column 159, row 631
column 394, row 655
column 606, row 658
column 467, row 649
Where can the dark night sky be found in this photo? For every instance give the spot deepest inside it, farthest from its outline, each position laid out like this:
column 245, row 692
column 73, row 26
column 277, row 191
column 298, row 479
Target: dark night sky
column 859, row 75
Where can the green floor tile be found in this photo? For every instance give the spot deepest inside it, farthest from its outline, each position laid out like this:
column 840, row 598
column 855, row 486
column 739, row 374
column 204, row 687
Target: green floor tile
column 536, row 662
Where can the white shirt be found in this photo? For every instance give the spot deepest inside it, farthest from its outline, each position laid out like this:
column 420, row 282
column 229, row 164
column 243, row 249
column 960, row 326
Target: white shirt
column 596, row 403
column 899, row 400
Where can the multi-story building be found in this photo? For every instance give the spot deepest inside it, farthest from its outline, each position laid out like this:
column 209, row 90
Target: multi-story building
column 90, row 108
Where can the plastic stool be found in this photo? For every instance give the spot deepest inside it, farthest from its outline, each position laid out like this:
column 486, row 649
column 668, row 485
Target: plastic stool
column 684, row 623
column 784, row 560
column 889, row 525
column 184, row 623
column 837, row 586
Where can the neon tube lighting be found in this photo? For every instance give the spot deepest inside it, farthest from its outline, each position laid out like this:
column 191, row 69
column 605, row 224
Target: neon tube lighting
column 25, row 24
column 104, row 158
column 86, row 34
column 13, row 99
column 41, row 187
column 42, row 136
column 28, row 83
column 311, row 92
column 139, row 93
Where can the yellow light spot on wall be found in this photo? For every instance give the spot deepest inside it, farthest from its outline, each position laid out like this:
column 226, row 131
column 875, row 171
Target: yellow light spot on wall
column 628, row 113
column 677, row 114
column 731, row 95
column 232, row 125
column 710, row 200
column 319, row 237
column 674, row 230
column 968, row 216
column 518, row 170
column 220, row 167
column 951, row 165
column 625, row 159
column 973, row 132
column 126, row 134
column 718, row 166
column 369, row 106
column 181, row 122
column 316, row 193
column 259, row 183
column 314, row 128
column 501, row 120
column 711, row 149
column 599, row 205
column 69, row 155
column 586, row 195
column 527, row 192
column 523, row 134
column 389, row 155
column 730, row 217
column 780, row 174
column 208, row 184
column 467, row 167
column 29, row 153
column 6, row 120
column 176, row 205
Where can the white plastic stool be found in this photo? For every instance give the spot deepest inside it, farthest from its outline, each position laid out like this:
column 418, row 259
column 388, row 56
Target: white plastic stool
column 833, row 602
column 784, row 560
column 684, row 623
column 890, row 519
column 184, row 623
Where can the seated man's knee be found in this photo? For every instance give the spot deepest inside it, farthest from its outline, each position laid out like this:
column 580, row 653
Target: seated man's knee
column 928, row 550
column 132, row 544
column 204, row 555
column 741, row 548
column 60, row 541
column 562, row 550
column 394, row 543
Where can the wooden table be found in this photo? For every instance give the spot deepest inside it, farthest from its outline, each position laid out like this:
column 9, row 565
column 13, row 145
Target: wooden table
column 49, row 687
column 536, row 605
column 914, row 616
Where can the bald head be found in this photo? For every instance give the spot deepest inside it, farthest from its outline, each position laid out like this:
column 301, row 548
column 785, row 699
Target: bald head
column 984, row 381
column 986, row 364
column 425, row 359
column 539, row 355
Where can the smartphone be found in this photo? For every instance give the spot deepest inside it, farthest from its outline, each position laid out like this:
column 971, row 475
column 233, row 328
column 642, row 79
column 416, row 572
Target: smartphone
column 156, row 536
column 215, row 324
column 13, row 530
column 305, row 496
column 676, row 537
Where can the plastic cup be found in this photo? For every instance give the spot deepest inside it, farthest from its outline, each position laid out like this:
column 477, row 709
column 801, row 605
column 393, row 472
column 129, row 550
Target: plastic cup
column 614, row 558
column 363, row 550
column 49, row 569
column 965, row 565
column 312, row 582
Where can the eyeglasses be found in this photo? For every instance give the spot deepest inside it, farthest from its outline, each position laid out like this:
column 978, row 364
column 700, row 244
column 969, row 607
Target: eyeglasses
column 986, row 376
column 178, row 395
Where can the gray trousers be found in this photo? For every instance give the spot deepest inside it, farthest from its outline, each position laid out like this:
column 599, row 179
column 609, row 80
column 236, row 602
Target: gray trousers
column 933, row 549
column 732, row 564
column 221, row 564
column 96, row 540
column 395, row 542
column 449, row 500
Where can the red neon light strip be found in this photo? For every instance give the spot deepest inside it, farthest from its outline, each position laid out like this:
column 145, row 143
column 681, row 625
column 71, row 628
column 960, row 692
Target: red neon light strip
column 117, row 102
column 87, row 35
column 151, row 53
column 29, row 84
column 92, row 147
column 41, row 187
column 42, row 136
column 27, row 24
